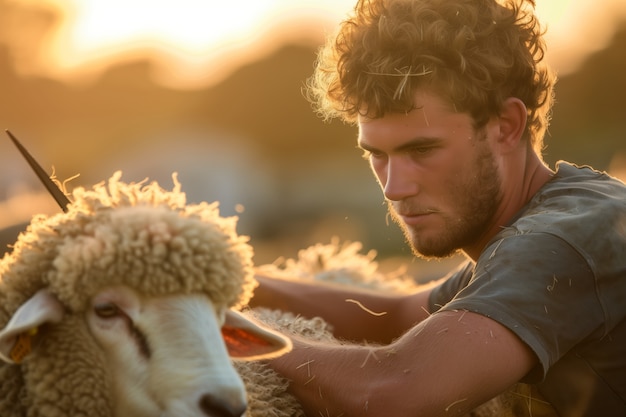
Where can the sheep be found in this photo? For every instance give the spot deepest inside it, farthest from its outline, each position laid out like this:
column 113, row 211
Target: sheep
column 127, row 305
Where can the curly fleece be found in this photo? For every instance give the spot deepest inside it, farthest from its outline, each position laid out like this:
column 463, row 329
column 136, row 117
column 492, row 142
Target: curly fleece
column 117, row 233
column 133, row 234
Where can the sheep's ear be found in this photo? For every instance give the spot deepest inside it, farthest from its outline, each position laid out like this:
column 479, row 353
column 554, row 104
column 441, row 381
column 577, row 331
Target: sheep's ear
column 247, row 340
column 16, row 337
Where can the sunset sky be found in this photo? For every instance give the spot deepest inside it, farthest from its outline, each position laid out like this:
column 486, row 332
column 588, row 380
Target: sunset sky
column 198, row 42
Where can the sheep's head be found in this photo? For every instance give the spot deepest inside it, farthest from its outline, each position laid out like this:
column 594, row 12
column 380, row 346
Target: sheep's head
column 154, row 280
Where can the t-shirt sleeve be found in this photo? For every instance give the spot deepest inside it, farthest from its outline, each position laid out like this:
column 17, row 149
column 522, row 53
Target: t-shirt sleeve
column 443, row 293
column 540, row 288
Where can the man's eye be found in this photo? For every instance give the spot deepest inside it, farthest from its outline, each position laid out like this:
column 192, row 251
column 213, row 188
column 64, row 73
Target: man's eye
column 368, row 155
column 418, row 151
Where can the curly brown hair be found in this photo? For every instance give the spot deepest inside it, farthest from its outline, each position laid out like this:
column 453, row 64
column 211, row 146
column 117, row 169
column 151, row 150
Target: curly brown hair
column 475, row 53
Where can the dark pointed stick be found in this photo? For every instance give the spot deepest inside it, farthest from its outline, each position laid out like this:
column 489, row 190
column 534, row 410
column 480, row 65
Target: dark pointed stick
column 52, row 188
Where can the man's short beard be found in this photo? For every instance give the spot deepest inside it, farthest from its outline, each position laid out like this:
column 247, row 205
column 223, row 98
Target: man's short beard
column 477, row 199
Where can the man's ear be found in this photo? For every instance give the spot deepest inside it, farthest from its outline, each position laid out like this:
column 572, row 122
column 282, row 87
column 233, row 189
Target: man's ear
column 512, row 121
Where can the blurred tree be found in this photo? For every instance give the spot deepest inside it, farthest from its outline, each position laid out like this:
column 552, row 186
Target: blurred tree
column 589, row 118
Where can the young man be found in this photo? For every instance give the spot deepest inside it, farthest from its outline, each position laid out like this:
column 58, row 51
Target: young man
column 452, row 100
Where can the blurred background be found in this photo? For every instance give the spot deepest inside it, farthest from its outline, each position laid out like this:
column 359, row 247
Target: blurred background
column 212, row 90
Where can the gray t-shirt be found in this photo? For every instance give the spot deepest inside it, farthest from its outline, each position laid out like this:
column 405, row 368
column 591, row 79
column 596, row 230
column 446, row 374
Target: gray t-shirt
column 556, row 277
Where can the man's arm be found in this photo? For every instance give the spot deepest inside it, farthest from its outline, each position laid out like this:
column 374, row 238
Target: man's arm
column 446, row 365
column 355, row 314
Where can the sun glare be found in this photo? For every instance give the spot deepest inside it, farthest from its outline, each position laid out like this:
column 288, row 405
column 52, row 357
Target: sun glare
column 193, row 33
column 577, row 28
column 190, row 42
column 192, row 25
column 194, row 42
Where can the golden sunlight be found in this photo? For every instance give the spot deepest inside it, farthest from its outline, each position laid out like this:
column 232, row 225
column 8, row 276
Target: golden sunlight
column 199, row 42
column 577, row 28
column 191, row 42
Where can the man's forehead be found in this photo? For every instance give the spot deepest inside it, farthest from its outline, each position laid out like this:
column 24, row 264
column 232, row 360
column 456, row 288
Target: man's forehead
column 423, row 100
column 435, row 118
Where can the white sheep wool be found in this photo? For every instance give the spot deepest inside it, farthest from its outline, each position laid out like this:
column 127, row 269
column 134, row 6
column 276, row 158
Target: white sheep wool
column 137, row 234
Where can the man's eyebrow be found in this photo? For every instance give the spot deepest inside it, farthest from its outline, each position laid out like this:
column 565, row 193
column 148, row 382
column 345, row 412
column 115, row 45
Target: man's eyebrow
column 413, row 143
column 365, row 146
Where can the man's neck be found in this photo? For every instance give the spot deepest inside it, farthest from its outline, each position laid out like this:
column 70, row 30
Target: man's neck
column 519, row 187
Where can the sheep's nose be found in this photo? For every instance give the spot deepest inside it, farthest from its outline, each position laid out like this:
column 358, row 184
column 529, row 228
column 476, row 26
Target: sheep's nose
column 213, row 406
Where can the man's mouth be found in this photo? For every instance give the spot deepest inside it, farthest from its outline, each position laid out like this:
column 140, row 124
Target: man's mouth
column 416, row 218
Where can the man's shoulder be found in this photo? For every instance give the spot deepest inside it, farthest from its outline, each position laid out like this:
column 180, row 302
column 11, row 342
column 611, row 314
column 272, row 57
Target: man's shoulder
column 573, row 184
column 577, row 202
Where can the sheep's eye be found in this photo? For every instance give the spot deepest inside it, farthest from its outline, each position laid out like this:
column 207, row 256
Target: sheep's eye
column 106, row 310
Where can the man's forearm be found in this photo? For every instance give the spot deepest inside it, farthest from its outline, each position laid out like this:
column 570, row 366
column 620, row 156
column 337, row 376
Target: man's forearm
column 447, row 365
column 356, row 315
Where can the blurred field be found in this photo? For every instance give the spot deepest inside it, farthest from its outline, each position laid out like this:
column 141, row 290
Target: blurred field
column 253, row 143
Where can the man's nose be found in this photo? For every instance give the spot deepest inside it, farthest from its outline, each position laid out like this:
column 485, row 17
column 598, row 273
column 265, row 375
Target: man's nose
column 400, row 181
